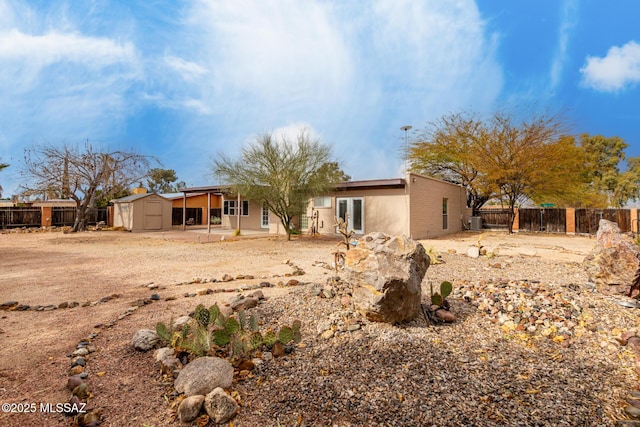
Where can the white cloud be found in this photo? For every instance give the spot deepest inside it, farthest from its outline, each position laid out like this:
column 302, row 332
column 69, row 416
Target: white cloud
column 357, row 71
column 618, row 70
column 189, row 71
column 568, row 21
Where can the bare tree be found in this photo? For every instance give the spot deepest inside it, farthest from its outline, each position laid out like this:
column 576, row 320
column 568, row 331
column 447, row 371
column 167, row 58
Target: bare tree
column 85, row 174
column 2, row 166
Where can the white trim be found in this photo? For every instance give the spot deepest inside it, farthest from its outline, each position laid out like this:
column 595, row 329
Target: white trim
column 262, row 217
column 350, row 202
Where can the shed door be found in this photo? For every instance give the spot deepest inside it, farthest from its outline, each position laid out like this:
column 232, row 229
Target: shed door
column 152, row 215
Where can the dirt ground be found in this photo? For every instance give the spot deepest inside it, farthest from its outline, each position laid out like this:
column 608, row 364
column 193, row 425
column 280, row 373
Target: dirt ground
column 52, row 268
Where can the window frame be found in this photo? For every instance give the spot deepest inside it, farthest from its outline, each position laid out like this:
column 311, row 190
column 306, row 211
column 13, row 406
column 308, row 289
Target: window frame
column 230, row 205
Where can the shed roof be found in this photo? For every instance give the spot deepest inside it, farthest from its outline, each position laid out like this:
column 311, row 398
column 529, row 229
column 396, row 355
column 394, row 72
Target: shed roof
column 135, row 197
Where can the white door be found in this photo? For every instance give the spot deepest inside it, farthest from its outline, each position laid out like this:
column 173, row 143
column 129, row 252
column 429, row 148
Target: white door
column 264, row 217
column 351, row 209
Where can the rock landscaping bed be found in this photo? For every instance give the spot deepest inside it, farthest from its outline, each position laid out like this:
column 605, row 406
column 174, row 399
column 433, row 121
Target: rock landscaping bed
column 533, row 343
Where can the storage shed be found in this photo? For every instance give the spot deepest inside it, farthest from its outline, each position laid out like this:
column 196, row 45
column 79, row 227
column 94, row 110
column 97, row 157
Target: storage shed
column 142, row 212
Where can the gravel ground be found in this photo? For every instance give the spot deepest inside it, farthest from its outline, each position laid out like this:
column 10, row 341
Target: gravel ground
column 486, row 369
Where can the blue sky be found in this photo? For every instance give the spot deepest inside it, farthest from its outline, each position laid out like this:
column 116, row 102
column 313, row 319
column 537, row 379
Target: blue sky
column 185, row 80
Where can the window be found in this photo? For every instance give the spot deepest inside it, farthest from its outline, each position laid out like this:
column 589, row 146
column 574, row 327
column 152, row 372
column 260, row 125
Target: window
column 322, row 202
column 230, row 208
column 351, row 209
column 304, row 222
column 445, row 214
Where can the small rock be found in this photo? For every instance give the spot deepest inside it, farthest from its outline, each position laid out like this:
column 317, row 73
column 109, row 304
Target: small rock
column 243, row 303
column 163, row 352
column 79, row 361
column 246, row 365
column 627, row 423
column 220, row 406
column 634, row 342
column 632, row 411
column 82, row 391
column 277, row 350
column 446, row 316
column 190, row 408
column 327, row 293
column 473, row 252
column 76, row 370
column 74, row 381
column 144, row 340
column 155, row 297
column 203, row 375
column 327, row 334
column 81, row 352
column 226, row 278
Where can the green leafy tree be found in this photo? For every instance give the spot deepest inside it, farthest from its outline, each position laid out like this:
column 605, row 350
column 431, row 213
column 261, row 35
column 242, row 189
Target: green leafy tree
column 85, row 174
column 281, row 174
column 332, row 172
column 604, row 160
column 163, row 181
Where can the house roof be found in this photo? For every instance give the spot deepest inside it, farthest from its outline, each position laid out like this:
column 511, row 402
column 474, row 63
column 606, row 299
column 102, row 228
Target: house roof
column 173, row 196
column 135, row 197
column 372, row 184
column 207, row 189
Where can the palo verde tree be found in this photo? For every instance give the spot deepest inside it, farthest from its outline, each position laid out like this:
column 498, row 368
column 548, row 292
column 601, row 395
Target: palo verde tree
column 281, row 173
column 85, row 174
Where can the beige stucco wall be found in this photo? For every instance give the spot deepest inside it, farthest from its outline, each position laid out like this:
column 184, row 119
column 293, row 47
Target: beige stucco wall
column 426, row 195
column 384, row 210
column 249, row 222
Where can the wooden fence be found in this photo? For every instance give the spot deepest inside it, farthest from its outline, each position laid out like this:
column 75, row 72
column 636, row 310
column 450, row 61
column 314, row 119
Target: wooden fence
column 12, row 217
column 550, row 220
column 587, row 220
column 556, row 220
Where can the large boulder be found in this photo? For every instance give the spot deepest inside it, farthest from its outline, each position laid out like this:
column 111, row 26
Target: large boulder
column 203, row 375
column 386, row 273
column 614, row 264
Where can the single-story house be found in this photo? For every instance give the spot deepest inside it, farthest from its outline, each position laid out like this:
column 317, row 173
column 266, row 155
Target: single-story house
column 142, row 212
column 416, row 206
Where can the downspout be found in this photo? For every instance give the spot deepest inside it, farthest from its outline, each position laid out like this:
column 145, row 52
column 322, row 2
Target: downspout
column 208, row 212
column 184, row 211
column 238, row 211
